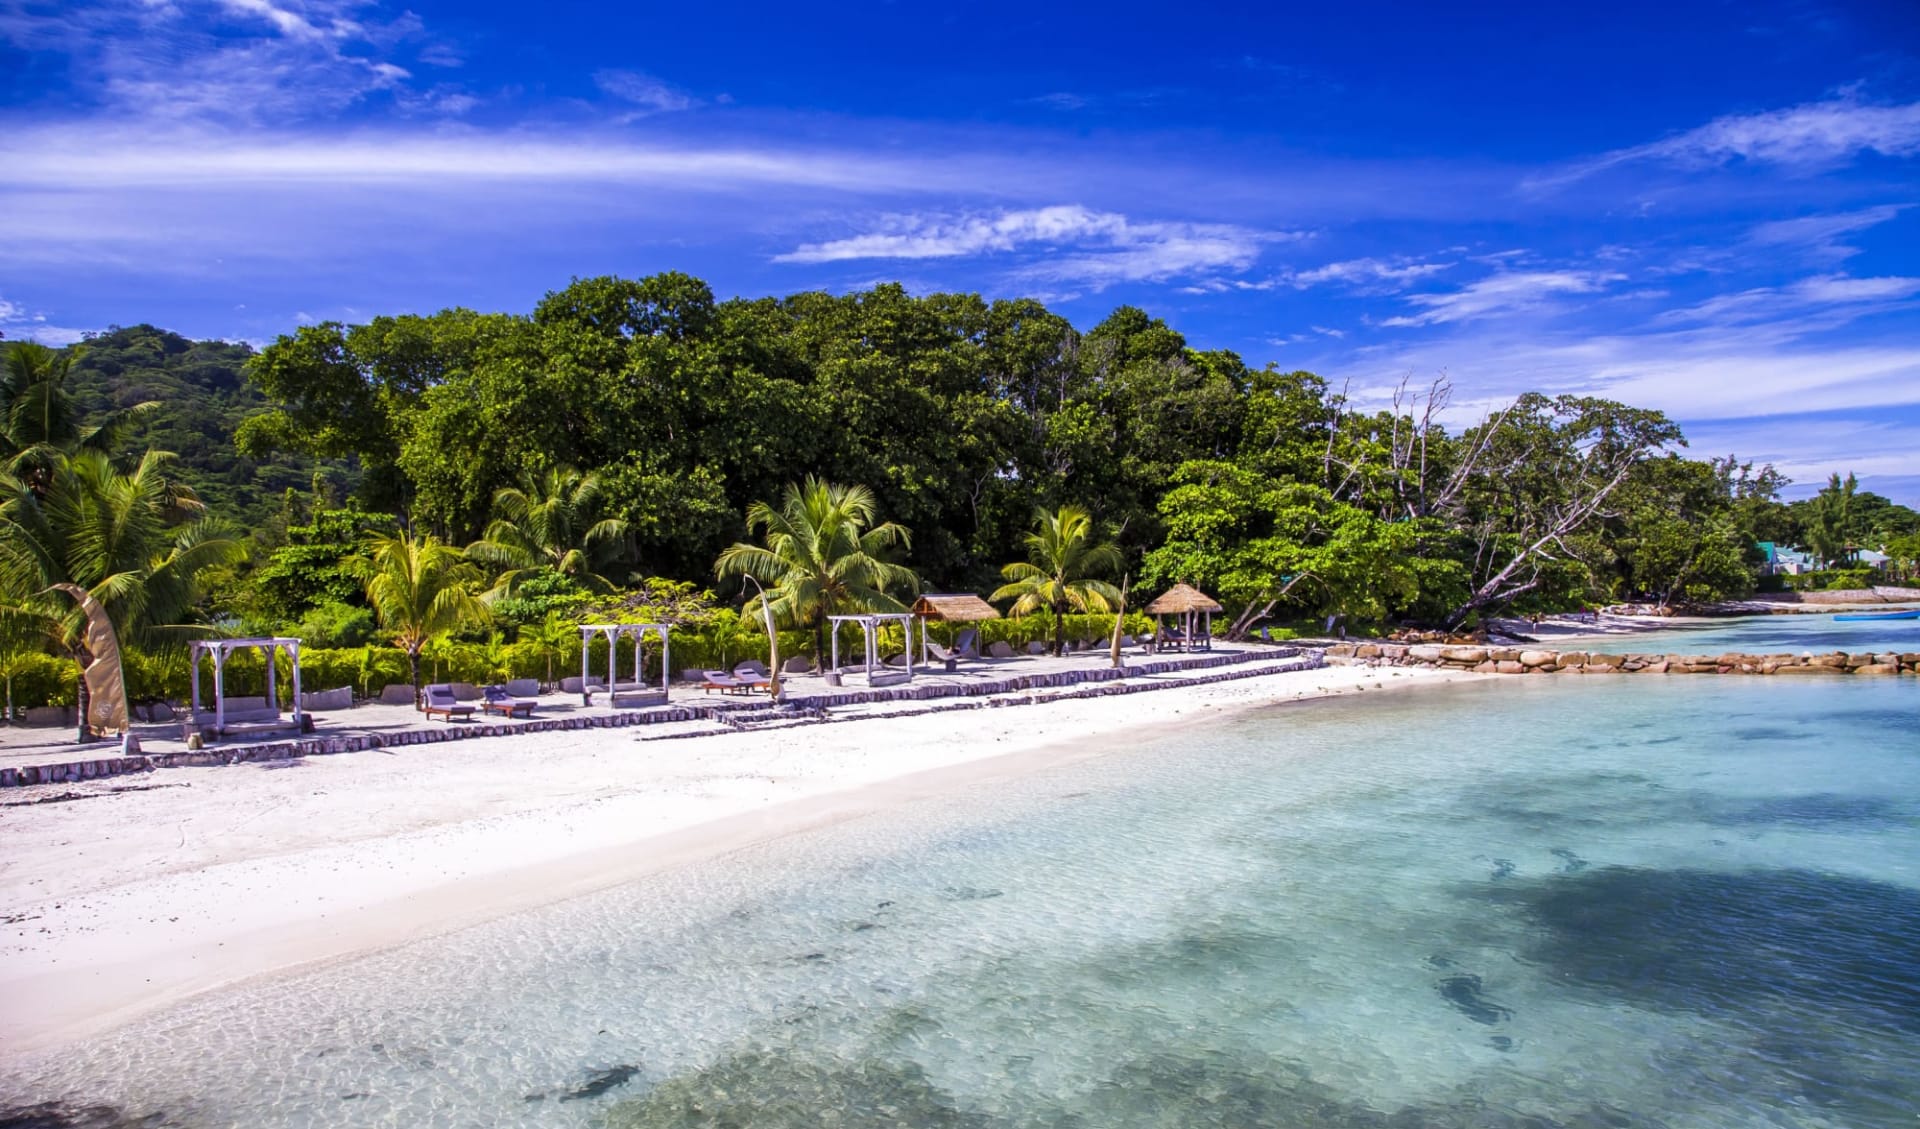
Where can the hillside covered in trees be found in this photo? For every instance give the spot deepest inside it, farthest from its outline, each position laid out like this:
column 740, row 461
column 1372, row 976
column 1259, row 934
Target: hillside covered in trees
column 200, row 395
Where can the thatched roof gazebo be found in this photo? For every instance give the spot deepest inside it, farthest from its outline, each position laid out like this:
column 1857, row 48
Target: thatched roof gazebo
column 950, row 607
column 1184, row 602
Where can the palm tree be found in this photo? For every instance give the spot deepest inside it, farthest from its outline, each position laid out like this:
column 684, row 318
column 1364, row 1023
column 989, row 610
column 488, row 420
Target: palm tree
column 136, row 542
column 1830, row 532
column 551, row 638
column 550, row 521
column 419, row 588
column 38, row 418
column 820, row 557
column 1060, row 553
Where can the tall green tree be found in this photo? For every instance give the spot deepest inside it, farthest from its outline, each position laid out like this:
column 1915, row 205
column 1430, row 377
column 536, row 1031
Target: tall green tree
column 551, row 521
column 1831, row 532
column 136, row 541
column 39, row 418
column 421, row 589
column 1063, row 553
column 822, row 555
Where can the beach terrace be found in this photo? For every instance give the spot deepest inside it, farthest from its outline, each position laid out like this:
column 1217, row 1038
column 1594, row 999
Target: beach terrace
column 47, row 754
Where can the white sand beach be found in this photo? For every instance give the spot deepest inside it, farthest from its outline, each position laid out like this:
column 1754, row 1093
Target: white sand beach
column 148, row 889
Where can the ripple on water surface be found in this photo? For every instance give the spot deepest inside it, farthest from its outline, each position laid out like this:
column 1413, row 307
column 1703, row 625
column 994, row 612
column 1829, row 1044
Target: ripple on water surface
column 1592, row 904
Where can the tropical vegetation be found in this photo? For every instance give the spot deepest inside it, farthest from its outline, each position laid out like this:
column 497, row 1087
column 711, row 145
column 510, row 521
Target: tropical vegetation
column 455, row 492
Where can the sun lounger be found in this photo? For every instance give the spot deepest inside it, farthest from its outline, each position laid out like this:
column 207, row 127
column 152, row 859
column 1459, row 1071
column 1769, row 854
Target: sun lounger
column 711, row 680
column 440, row 700
column 752, row 675
column 497, row 700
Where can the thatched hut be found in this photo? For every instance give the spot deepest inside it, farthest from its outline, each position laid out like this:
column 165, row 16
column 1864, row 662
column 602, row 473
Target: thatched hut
column 950, row 607
column 1192, row 609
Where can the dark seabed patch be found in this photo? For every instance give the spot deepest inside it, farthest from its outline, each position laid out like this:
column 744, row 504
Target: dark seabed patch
column 1193, row 1088
column 1728, row 944
column 1464, row 993
column 1818, row 809
column 59, row 1115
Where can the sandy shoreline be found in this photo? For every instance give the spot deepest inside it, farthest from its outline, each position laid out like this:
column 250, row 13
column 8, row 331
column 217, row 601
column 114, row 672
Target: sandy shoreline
column 159, row 887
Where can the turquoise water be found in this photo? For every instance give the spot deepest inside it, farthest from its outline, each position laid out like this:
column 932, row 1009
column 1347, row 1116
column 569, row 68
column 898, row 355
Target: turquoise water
column 1769, row 635
column 1524, row 902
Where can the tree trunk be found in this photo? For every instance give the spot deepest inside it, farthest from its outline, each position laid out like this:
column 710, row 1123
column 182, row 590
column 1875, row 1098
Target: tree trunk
column 413, row 663
column 1059, row 633
column 82, row 700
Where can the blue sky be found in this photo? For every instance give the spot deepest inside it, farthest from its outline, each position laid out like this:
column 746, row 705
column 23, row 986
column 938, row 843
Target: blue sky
column 1708, row 208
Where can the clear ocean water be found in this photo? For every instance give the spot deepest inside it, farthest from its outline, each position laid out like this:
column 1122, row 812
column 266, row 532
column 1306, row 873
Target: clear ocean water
column 1578, row 902
column 1769, row 635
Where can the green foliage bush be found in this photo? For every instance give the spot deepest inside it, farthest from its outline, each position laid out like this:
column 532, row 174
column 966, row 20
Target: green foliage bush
column 41, row 680
column 333, row 624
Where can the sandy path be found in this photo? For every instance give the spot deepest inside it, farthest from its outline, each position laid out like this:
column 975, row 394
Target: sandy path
column 161, row 886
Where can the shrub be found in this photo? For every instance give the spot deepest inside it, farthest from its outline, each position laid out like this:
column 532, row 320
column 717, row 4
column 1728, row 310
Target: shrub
column 40, row 680
column 334, row 624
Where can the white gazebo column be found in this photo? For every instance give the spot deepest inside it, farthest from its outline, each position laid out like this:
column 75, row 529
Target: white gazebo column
column 666, row 668
column 868, row 635
column 585, row 650
column 293, row 652
column 220, row 690
column 833, row 625
column 273, row 689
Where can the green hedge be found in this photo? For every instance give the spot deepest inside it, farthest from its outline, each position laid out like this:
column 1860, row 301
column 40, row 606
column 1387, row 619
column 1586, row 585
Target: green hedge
column 42, row 680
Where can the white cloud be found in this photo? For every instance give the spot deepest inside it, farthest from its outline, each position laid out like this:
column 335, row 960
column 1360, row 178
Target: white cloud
column 244, row 61
column 1366, row 273
column 1820, row 236
column 650, row 94
column 1770, row 303
column 1086, row 245
column 1810, row 136
column 1506, row 292
column 20, row 324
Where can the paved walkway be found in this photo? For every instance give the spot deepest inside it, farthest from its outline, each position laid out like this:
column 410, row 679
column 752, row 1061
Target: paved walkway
column 690, row 710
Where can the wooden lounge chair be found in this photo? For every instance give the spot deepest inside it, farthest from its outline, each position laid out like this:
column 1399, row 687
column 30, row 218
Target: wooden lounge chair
column 497, row 700
column 711, row 680
column 440, row 700
column 752, row 675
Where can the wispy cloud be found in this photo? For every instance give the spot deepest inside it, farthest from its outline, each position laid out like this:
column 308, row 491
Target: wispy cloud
column 1372, row 274
column 649, row 94
column 1821, row 236
column 1086, row 245
column 1768, row 303
column 1503, row 293
column 18, row 323
column 1810, row 136
column 235, row 60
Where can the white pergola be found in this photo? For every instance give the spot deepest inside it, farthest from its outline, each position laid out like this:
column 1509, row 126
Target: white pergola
column 220, row 649
column 870, row 626
column 614, row 632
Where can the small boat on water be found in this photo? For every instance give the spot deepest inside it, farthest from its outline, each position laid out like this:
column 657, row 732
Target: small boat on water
column 1855, row 617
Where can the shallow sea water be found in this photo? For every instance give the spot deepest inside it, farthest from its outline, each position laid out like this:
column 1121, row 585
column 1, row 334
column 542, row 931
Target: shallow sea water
column 1528, row 902
column 1768, row 635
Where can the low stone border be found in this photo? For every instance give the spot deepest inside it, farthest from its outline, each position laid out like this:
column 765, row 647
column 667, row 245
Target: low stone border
column 1514, row 660
column 1307, row 661
column 92, row 768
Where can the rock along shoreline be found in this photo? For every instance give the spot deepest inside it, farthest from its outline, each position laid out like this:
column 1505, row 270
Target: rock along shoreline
column 1529, row 660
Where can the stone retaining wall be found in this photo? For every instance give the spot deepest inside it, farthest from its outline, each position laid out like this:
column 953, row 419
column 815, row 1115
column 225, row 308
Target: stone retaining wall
column 1517, row 660
column 322, row 745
